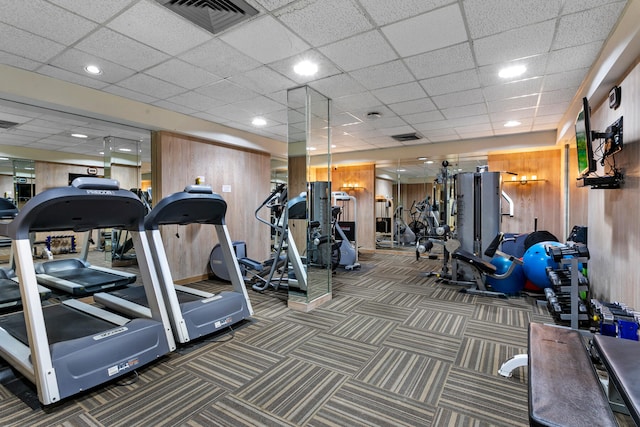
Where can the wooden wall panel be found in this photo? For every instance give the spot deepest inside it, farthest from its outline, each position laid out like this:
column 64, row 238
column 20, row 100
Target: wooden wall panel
column 541, row 199
column 176, row 162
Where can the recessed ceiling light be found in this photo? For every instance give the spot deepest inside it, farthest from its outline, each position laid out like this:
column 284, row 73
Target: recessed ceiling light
column 126, row 150
column 258, row 121
column 429, row 162
column 311, row 148
column 79, row 135
column 401, row 170
column 512, row 123
column 373, row 115
column 305, row 68
column 422, row 158
column 93, row 69
column 513, row 71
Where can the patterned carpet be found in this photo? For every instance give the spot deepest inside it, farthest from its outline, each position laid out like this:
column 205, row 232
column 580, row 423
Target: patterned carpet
column 393, row 348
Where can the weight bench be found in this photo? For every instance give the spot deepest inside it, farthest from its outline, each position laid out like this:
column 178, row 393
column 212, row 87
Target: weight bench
column 564, row 389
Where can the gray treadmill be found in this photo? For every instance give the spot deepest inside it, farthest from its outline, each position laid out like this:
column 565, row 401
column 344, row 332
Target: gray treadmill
column 193, row 313
column 71, row 347
column 78, row 277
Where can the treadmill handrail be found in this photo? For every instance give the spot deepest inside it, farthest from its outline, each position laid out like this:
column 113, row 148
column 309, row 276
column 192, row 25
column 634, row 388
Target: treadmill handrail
column 87, row 205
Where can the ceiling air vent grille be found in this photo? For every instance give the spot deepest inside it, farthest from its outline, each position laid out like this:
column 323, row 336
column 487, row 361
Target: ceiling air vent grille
column 406, row 137
column 212, row 15
column 7, row 125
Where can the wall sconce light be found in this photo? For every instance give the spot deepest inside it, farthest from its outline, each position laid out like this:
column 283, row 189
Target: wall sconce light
column 523, row 179
column 351, row 186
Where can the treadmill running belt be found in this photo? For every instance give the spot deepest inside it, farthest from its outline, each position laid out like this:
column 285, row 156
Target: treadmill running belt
column 9, row 291
column 136, row 295
column 63, row 323
column 88, row 277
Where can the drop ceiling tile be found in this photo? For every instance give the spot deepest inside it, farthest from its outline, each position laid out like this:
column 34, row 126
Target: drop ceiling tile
column 398, row 130
column 265, row 40
column 535, row 66
column 572, row 6
column 362, row 50
column 96, row 10
column 279, row 116
column 18, row 61
column 212, row 118
column 573, row 58
column 74, row 61
column 513, row 103
column 285, row 66
column 444, row 138
column 31, row 46
column 454, row 82
column 46, row 20
column 126, row 93
column 399, row 93
column 259, row 105
column 513, row 89
column 458, row 99
column 561, row 80
column 226, row 91
column 156, row 26
column 383, row 75
column 183, row 74
column 424, row 117
column 526, row 41
column 337, row 86
column 387, row 122
column 552, row 119
column 274, row 4
column 411, row 107
column 557, row 96
column 151, row 86
column 382, row 14
column 262, row 80
column 232, row 113
column 575, row 30
column 441, row 62
column 474, row 131
column 355, row 102
column 487, row 17
column 194, row 101
column 427, row 32
column 464, row 111
column 120, row 49
column 60, row 74
column 322, row 22
column 521, row 114
column 219, row 58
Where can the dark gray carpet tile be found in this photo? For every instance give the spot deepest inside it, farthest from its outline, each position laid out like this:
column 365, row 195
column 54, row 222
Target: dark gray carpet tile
column 319, row 318
column 407, row 374
column 280, row 337
column 367, row 329
column 342, row 303
column 453, row 293
column 232, row 365
column 270, row 307
column 487, row 312
column 485, row 356
column 14, row 412
column 440, row 322
column 357, row 404
column 339, row 354
column 293, row 389
column 400, row 297
column 373, row 283
column 510, row 335
column 357, row 291
column 384, row 311
column 486, row 397
column 169, row 401
column 424, row 342
column 231, row 411
column 462, row 308
column 446, row 417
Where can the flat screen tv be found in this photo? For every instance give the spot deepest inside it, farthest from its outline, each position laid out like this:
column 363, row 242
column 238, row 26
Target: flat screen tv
column 584, row 143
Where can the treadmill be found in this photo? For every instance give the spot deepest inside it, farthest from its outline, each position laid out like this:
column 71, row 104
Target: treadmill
column 193, row 313
column 72, row 346
column 78, row 277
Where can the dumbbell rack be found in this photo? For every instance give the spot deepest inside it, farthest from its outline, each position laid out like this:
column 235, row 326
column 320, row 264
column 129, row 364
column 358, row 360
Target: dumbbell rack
column 568, row 282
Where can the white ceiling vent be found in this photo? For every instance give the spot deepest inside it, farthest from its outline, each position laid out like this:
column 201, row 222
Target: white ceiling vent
column 407, row 137
column 212, row 15
column 7, row 125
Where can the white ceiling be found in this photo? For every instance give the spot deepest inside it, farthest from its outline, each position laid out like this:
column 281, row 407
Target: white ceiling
column 427, row 66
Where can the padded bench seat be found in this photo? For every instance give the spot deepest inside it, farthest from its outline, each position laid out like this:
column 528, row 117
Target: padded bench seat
column 620, row 358
column 564, row 389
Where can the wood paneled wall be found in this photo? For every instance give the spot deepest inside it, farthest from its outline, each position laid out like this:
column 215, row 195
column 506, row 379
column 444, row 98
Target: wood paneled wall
column 364, row 176
column 541, row 199
column 614, row 229
column 176, row 162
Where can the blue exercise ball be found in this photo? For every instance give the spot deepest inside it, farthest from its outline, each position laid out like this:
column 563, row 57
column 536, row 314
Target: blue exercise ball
column 510, row 285
column 536, row 260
